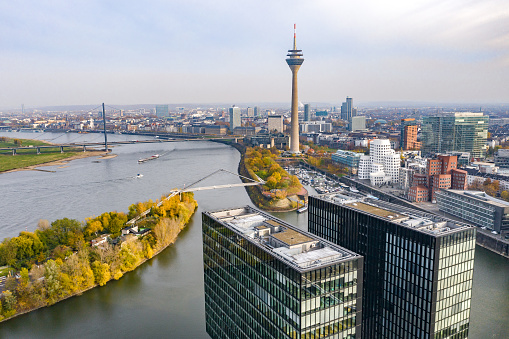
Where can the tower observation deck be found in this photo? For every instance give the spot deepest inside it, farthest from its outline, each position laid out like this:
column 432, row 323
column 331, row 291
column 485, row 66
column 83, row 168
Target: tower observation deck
column 294, row 61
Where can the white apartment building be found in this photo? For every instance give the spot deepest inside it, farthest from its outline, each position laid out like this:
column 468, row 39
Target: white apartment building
column 382, row 165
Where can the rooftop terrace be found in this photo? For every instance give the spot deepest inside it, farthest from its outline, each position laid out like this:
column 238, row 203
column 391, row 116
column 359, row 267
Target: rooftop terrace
column 300, row 249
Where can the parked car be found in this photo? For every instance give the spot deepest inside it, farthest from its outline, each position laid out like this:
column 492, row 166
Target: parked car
column 494, row 232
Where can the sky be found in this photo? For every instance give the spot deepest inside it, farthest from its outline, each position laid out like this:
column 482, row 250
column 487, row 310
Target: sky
column 196, row 51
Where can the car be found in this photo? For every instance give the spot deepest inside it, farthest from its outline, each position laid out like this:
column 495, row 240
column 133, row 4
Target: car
column 484, row 227
column 494, row 232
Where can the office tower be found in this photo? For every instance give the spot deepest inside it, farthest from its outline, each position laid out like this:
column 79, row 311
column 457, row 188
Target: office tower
column 306, row 112
column 455, row 131
column 250, row 112
column 162, row 111
column 256, row 111
column 346, row 109
column 275, row 123
column 295, row 60
column 264, row 278
column 357, row 123
column 235, row 120
column 418, row 267
column 408, row 139
column 382, row 165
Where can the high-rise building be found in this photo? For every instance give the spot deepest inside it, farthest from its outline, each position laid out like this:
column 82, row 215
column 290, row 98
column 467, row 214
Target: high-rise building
column 408, row 139
column 250, row 112
column 295, row 60
column 346, row 109
column 162, row 111
column 418, row 268
column 306, row 112
column 455, row 131
column 264, row 278
column 235, row 119
column 256, row 111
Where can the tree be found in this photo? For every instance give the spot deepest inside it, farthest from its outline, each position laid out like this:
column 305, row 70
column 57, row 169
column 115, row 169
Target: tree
column 505, row 195
column 101, row 273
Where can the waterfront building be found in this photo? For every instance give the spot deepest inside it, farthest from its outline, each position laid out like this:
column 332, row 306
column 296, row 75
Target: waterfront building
column 294, row 61
column 235, row 119
column 306, row 112
column 264, row 278
column 455, row 131
column 347, row 158
column 162, row 111
column 382, row 165
column 275, row 123
column 357, row 123
column 441, row 173
column 347, row 109
column 408, row 139
column 418, row 267
column 475, row 207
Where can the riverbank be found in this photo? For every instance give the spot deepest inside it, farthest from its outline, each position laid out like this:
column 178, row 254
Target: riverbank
column 62, row 159
column 73, row 273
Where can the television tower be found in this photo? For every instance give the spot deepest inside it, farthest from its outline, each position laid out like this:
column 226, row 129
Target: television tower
column 295, row 60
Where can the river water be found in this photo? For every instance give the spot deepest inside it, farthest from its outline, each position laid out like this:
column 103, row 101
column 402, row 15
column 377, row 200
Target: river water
column 164, row 297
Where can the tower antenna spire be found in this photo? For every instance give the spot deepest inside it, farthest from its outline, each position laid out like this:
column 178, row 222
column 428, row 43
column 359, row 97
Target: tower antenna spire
column 294, row 36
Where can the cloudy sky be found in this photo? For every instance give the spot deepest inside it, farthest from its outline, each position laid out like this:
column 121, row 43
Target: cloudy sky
column 142, row 52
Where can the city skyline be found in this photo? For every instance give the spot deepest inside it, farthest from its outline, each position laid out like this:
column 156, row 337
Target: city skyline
column 154, row 53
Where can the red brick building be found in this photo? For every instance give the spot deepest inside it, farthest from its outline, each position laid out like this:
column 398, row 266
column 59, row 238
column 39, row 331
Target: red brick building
column 441, row 173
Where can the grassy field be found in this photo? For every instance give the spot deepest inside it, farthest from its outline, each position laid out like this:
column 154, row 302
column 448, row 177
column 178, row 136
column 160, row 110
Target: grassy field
column 29, row 157
column 9, row 162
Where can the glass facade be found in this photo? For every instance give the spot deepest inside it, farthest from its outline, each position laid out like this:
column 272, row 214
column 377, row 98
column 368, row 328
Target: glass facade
column 403, row 269
column 464, row 132
column 253, row 290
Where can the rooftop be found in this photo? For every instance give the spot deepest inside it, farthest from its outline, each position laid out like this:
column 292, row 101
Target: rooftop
column 301, row 250
column 423, row 222
column 479, row 195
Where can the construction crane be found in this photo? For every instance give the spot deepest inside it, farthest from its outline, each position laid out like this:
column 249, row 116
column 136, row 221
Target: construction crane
column 191, row 188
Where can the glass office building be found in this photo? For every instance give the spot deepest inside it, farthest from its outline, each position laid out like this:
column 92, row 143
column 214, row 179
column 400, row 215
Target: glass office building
column 418, row 268
column 264, row 278
column 456, row 131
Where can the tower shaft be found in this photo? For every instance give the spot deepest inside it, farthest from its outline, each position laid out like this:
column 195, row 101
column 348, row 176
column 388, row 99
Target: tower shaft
column 294, row 136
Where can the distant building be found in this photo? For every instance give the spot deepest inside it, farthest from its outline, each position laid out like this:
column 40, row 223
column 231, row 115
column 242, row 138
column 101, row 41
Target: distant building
column 264, row 278
column 346, row 109
column 246, row 130
column 455, row 131
column 215, row 129
column 162, row 111
column 278, row 140
column 250, row 112
column 418, row 268
column 235, row 119
column 256, row 111
column 475, row 207
column 408, row 139
column 275, row 123
column 502, row 158
column 316, row 127
column 306, row 112
column 357, row 123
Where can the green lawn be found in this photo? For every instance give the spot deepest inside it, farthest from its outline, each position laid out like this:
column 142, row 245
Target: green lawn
column 8, row 162
column 24, row 142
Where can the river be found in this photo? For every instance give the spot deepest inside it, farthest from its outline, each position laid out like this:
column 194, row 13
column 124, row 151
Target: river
column 164, row 297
